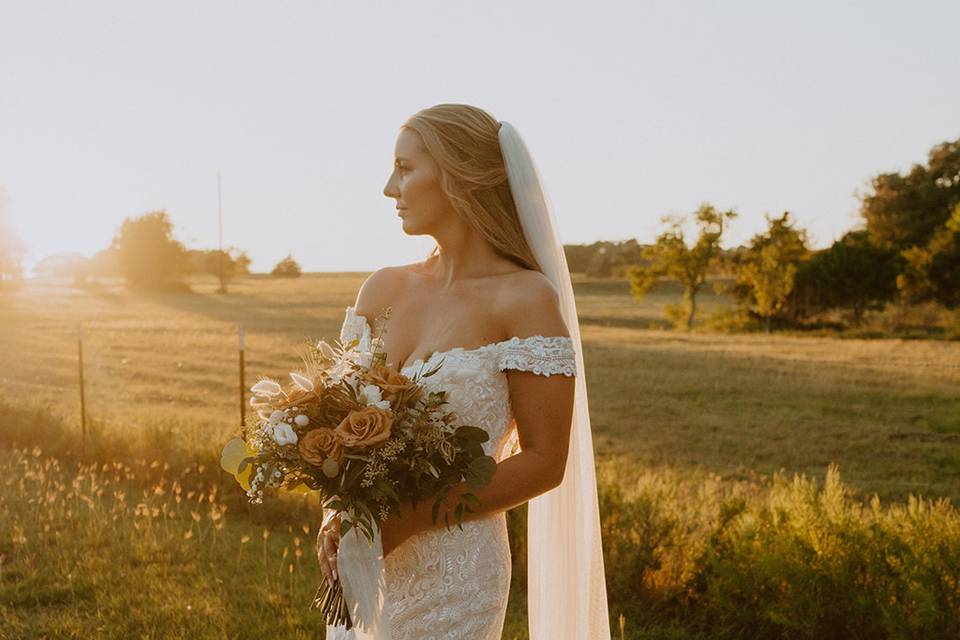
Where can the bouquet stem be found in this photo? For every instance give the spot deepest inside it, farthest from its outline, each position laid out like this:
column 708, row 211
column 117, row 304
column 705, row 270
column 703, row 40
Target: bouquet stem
column 329, row 600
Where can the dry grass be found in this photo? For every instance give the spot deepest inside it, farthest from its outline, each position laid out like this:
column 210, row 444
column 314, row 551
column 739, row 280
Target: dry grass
column 684, row 410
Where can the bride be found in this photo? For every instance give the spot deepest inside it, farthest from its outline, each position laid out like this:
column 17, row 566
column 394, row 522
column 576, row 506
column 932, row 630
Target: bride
column 493, row 304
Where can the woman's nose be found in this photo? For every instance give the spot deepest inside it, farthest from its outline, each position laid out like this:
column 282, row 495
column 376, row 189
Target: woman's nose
column 389, row 190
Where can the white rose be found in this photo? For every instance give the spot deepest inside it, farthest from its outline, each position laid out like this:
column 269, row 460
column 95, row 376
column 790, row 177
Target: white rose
column 302, row 420
column 276, row 417
column 284, row 434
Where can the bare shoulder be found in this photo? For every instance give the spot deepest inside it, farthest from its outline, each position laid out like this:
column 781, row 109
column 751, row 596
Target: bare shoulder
column 533, row 307
column 377, row 290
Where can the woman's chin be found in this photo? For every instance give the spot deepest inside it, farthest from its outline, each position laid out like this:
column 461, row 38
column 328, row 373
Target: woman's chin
column 408, row 227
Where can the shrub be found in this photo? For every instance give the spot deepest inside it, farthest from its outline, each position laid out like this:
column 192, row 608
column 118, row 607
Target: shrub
column 287, row 268
column 810, row 563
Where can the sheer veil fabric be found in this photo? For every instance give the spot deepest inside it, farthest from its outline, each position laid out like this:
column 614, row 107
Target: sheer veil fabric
column 566, row 588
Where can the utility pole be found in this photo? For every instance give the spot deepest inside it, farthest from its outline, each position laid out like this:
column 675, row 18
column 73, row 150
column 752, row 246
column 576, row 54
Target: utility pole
column 222, row 288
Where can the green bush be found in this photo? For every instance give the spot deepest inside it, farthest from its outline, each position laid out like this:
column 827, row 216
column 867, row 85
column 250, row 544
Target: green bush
column 684, row 557
column 811, row 563
column 732, row 320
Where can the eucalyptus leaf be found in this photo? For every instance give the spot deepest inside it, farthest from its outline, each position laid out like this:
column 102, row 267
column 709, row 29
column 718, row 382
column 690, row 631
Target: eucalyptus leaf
column 480, row 472
column 383, row 485
column 475, row 434
column 473, row 449
column 330, row 468
column 472, row 501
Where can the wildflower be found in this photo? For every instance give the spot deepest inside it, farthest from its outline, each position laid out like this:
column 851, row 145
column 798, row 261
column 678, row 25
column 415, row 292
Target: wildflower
column 301, row 381
column 266, row 388
column 326, row 350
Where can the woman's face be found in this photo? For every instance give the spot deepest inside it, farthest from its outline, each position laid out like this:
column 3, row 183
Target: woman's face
column 415, row 185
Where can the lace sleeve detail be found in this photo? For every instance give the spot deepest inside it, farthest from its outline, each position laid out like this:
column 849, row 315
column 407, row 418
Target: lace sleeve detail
column 546, row 355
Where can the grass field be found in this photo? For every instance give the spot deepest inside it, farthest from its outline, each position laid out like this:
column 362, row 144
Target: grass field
column 682, row 412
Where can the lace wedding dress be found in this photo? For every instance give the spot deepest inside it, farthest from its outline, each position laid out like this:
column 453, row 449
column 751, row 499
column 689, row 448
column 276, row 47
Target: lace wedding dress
column 450, row 585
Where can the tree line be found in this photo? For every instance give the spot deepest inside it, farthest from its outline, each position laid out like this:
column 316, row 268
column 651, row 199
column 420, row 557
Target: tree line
column 146, row 254
column 906, row 249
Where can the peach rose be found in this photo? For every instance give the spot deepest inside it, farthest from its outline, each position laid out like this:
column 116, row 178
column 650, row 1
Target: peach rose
column 364, row 428
column 317, row 445
column 391, row 382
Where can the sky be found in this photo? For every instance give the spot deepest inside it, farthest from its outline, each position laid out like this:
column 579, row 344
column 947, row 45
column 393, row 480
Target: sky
column 632, row 110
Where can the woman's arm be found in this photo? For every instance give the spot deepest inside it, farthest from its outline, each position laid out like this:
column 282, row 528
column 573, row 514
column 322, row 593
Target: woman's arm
column 543, row 410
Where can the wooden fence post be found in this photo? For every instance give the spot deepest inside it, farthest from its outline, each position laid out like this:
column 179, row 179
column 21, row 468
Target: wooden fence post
column 243, row 393
column 83, row 407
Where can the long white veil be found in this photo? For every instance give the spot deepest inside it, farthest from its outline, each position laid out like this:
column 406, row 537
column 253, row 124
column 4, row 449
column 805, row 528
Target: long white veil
column 566, row 590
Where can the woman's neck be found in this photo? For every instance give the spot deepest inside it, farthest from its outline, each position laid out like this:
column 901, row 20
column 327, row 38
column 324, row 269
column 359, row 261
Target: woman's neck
column 469, row 261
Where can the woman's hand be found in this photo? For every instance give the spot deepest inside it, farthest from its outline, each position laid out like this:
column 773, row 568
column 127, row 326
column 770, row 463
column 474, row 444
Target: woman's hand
column 328, row 542
column 399, row 525
column 405, row 523
column 392, row 534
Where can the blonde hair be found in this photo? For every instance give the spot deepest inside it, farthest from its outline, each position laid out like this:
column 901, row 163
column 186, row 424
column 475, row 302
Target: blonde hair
column 464, row 143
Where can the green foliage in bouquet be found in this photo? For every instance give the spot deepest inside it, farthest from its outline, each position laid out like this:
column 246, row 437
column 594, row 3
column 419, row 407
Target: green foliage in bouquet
column 366, row 437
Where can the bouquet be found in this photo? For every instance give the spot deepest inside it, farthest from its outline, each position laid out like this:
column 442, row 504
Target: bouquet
column 364, row 436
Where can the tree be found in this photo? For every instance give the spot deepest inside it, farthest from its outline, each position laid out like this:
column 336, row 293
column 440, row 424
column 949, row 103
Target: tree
column 765, row 271
column 66, row 264
column 287, row 268
column 12, row 250
column 242, row 264
column 904, row 211
column 208, row 261
column 854, row 274
column 147, row 254
column 601, row 263
column 933, row 272
column 603, row 258
column 915, row 214
column 578, row 257
column 670, row 256
column 105, row 263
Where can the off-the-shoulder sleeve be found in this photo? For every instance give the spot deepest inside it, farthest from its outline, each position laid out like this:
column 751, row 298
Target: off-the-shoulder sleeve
column 354, row 326
column 546, row 355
